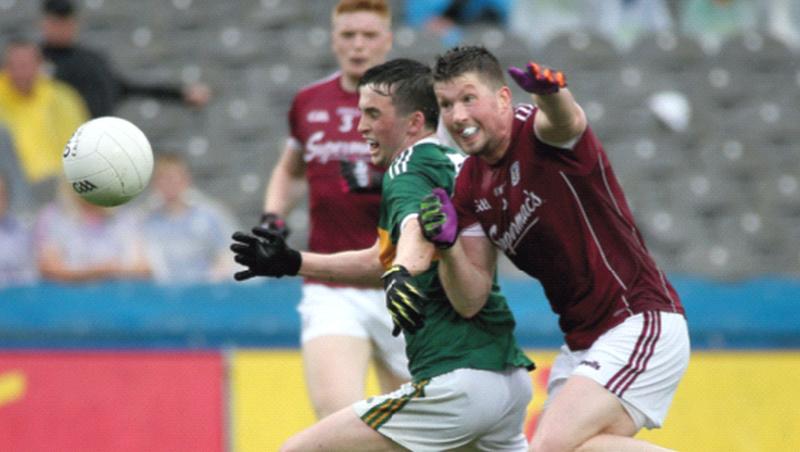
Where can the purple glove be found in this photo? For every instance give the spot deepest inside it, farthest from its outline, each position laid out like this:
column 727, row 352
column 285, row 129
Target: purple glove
column 537, row 80
column 438, row 219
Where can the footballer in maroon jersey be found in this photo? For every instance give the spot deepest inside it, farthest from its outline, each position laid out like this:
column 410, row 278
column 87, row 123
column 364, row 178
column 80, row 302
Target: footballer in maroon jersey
column 323, row 123
column 539, row 187
column 560, row 216
column 343, row 328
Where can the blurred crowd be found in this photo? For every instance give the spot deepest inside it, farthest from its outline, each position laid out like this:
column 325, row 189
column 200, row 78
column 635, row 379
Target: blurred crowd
column 50, row 83
column 620, row 21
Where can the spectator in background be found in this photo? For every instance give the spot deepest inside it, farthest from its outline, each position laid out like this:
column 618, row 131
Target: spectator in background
column 91, row 73
column 17, row 263
column 41, row 113
column 444, row 18
column 186, row 233
column 714, row 21
column 620, row 21
column 76, row 241
column 15, row 181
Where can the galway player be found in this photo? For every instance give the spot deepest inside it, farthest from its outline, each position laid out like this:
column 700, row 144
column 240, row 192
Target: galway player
column 343, row 327
column 470, row 385
column 539, row 187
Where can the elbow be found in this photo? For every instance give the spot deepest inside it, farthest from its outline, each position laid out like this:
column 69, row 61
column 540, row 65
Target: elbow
column 469, row 310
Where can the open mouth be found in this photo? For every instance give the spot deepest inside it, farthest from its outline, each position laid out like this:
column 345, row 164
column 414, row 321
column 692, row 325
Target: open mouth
column 374, row 146
column 358, row 61
column 468, row 132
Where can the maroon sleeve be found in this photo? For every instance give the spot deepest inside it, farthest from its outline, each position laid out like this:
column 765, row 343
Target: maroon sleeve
column 462, row 199
column 294, row 122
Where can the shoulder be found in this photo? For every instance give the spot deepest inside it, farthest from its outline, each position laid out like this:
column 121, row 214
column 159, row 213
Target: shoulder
column 422, row 158
column 323, row 85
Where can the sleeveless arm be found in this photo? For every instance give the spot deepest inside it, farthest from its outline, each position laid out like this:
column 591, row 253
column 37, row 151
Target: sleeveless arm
column 361, row 267
column 466, row 271
column 560, row 119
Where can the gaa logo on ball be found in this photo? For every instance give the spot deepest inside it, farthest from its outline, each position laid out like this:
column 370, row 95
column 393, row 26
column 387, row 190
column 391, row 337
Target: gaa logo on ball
column 108, row 161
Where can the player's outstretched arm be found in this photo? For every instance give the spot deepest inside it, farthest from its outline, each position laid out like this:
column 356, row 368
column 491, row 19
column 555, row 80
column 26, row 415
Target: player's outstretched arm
column 358, row 267
column 560, row 118
column 265, row 253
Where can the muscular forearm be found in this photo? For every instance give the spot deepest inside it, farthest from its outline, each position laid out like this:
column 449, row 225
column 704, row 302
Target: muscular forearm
column 560, row 108
column 467, row 285
column 413, row 251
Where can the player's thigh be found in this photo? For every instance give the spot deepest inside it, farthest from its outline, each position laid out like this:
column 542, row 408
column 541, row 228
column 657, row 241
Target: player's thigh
column 335, row 371
column 342, row 431
column 581, row 409
column 388, row 378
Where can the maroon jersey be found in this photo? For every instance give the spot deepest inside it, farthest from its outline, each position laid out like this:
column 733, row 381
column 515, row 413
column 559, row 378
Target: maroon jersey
column 323, row 124
column 561, row 217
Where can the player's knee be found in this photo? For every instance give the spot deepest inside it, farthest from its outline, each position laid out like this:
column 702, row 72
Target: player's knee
column 324, row 406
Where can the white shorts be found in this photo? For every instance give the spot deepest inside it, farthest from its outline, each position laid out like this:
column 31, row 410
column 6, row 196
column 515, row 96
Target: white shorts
column 347, row 311
column 469, row 408
column 641, row 361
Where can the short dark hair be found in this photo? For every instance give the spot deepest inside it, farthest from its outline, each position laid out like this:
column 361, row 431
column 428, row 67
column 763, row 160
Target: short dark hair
column 59, row 8
column 460, row 60
column 410, row 85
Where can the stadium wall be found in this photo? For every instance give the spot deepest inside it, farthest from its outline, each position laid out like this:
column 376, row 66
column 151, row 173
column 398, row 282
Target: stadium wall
column 213, row 368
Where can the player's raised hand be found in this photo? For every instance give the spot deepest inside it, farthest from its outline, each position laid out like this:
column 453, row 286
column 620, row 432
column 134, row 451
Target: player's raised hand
column 274, row 223
column 403, row 300
column 537, row 79
column 438, row 220
column 264, row 253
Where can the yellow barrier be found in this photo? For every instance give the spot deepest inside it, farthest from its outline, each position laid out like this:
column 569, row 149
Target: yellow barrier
column 727, row 401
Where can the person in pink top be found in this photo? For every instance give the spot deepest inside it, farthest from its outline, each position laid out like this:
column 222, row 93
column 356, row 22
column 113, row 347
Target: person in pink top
column 343, row 327
column 539, row 186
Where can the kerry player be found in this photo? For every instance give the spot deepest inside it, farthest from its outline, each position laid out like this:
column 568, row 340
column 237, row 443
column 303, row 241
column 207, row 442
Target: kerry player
column 470, row 386
column 538, row 186
column 344, row 327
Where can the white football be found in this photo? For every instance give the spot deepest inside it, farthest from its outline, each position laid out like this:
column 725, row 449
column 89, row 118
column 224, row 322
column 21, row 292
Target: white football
column 108, row 161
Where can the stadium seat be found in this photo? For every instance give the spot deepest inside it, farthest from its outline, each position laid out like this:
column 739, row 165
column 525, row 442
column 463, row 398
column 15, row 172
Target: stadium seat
column 654, row 160
column 277, row 14
column 755, row 51
column 509, row 48
column 727, row 260
column 418, row 45
column 780, row 193
column 234, row 45
column 666, row 52
column 735, row 157
column 667, row 229
column 580, row 51
column 707, row 192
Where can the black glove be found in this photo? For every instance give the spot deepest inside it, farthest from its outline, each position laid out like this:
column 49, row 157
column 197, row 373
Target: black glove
column 265, row 254
column 274, row 223
column 360, row 177
column 403, row 300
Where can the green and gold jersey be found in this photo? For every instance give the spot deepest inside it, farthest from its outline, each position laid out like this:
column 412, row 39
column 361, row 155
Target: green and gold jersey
column 447, row 341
